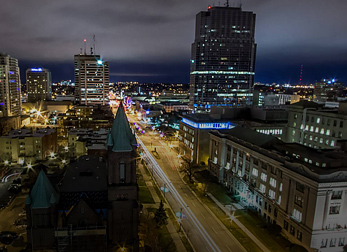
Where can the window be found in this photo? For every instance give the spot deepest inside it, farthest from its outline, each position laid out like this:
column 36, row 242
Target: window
column 318, row 120
column 328, row 132
column 324, row 243
column 335, row 123
column 334, row 210
column 262, row 188
column 279, row 199
column 299, row 235
column 281, row 187
column 341, row 124
column 265, row 207
column 292, row 230
column 300, row 187
column 285, row 225
column 255, row 172
column 322, row 130
column 272, row 194
column 332, row 242
column 298, row 200
column 336, row 195
column 122, row 172
column 275, row 212
column 341, row 241
column 297, row 215
column 263, row 177
column 269, row 208
column 273, row 182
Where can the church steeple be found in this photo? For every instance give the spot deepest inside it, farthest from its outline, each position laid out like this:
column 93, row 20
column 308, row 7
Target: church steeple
column 120, row 138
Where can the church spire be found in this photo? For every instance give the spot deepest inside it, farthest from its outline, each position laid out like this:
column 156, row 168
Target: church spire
column 120, row 138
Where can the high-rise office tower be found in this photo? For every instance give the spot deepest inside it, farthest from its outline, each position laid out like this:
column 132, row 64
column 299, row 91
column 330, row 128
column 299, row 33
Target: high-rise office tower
column 222, row 58
column 39, row 84
column 91, row 80
column 10, row 86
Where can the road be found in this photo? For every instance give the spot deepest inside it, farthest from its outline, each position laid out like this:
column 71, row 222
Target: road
column 204, row 230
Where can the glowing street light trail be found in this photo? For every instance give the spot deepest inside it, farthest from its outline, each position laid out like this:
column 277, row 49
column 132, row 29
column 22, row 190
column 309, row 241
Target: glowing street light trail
column 149, row 158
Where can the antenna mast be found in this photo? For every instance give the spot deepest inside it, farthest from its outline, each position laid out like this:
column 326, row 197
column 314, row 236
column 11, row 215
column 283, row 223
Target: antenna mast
column 85, row 47
column 227, row 3
column 94, row 40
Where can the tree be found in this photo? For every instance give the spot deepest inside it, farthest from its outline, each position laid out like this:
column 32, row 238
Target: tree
column 187, row 166
column 160, row 216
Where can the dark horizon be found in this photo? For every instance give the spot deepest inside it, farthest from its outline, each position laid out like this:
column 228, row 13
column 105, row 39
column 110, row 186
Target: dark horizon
column 178, row 72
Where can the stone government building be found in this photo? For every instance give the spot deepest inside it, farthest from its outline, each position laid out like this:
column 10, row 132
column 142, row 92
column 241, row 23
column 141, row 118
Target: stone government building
column 94, row 205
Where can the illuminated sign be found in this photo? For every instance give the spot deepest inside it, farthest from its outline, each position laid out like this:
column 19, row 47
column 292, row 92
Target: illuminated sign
column 220, row 125
column 36, row 69
column 100, row 62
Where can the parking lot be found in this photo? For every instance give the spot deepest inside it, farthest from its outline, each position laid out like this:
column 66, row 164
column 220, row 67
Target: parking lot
column 8, row 216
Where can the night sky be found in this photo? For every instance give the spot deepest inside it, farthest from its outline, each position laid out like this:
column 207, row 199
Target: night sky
column 150, row 41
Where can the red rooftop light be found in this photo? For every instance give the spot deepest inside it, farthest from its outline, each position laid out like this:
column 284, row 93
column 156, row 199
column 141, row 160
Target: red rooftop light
column 209, row 7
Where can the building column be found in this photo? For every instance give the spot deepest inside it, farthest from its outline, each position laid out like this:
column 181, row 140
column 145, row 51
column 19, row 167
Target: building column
column 223, row 156
column 243, row 164
column 326, row 208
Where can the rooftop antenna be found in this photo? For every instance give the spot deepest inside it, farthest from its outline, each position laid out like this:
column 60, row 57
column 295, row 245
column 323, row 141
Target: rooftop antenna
column 85, row 47
column 94, row 42
column 91, row 51
column 227, row 3
column 81, row 50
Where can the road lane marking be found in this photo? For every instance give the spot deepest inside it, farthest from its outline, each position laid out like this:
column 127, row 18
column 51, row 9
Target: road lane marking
column 186, row 195
column 193, row 204
column 158, row 171
column 214, row 230
column 203, row 216
column 228, row 248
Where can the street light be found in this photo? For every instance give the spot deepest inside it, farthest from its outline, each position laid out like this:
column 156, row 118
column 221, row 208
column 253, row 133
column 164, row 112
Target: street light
column 6, row 162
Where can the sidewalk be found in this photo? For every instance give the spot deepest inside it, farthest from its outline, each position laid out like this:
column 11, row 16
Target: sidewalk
column 170, row 226
column 238, row 223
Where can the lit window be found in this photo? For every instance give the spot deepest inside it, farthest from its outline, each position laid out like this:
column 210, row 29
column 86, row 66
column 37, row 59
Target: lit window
column 263, row 177
column 262, row 188
column 297, row 215
column 272, row 194
column 273, row 182
column 255, row 172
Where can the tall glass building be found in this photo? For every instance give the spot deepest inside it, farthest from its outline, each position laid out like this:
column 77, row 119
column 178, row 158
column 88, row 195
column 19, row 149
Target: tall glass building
column 222, row 58
column 10, row 86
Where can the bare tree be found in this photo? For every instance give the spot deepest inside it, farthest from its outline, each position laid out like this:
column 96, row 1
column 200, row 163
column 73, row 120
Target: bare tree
column 187, row 167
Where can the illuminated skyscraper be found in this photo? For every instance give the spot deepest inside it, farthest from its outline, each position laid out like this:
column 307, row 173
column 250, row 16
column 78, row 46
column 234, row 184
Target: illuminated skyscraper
column 10, row 86
column 91, row 80
column 222, row 58
column 39, row 84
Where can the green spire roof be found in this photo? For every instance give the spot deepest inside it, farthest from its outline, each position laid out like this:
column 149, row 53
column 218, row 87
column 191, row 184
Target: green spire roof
column 120, row 137
column 43, row 193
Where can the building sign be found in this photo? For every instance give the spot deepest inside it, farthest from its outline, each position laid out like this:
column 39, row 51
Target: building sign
column 221, row 125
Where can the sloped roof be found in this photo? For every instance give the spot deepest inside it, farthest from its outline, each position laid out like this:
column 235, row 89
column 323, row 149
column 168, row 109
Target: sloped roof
column 120, row 137
column 43, row 193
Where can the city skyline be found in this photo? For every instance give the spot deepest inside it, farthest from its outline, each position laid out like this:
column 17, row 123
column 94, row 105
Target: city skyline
column 151, row 43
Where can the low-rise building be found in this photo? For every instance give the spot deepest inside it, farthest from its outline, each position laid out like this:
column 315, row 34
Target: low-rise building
column 22, row 145
column 301, row 189
column 316, row 126
column 86, row 141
